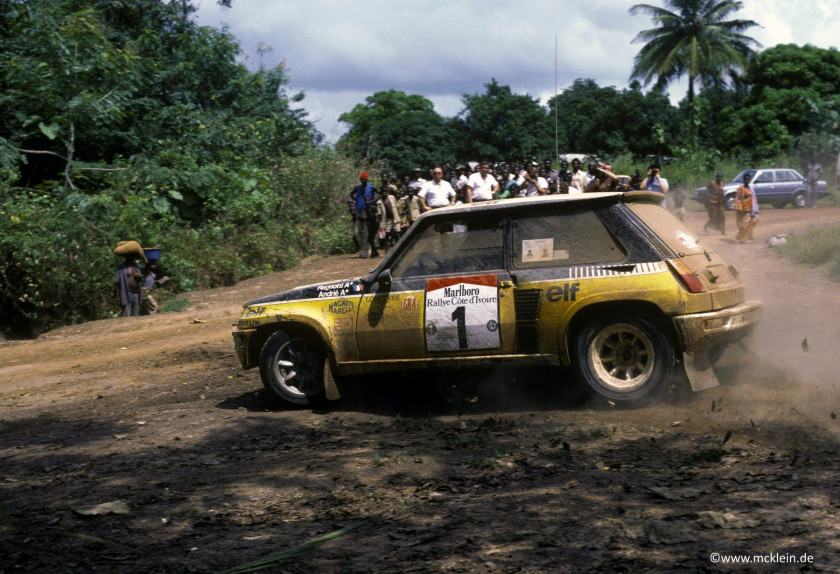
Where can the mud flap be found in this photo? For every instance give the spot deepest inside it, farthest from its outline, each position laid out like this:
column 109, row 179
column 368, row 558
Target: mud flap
column 701, row 373
column 330, row 386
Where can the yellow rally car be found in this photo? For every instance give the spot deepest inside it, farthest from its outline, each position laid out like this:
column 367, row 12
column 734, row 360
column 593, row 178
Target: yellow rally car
column 610, row 283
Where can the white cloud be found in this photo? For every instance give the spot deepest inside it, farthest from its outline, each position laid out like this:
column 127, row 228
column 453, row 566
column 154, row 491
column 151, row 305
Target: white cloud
column 341, row 51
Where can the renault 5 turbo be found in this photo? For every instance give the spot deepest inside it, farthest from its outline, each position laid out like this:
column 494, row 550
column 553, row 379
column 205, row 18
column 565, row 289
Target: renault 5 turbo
column 611, row 284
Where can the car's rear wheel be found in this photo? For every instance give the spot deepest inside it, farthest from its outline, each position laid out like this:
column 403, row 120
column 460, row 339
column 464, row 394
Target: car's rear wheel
column 624, row 358
column 292, row 367
column 800, row 200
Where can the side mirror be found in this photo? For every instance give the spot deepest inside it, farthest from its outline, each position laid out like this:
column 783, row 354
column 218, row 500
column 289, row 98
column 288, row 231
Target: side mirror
column 384, row 278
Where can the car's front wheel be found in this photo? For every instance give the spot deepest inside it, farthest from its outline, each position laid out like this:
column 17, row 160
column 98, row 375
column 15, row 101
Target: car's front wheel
column 624, row 358
column 800, row 200
column 292, row 367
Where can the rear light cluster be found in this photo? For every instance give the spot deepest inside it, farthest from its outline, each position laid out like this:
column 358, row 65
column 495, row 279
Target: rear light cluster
column 687, row 277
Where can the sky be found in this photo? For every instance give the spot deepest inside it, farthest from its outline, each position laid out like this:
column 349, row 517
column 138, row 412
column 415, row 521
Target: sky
column 339, row 52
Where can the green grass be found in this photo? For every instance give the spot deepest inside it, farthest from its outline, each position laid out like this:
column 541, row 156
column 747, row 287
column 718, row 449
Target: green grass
column 173, row 305
column 815, row 246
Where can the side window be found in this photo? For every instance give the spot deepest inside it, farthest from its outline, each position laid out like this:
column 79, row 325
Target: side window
column 455, row 246
column 764, row 177
column 785, row 176
column 568, row 239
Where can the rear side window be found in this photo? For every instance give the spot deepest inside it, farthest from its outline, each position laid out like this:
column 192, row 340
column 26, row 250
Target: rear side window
column 786, row 175
column 669, row 229
column 567, row 239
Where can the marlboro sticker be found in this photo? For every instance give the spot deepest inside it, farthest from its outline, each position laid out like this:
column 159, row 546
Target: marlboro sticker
column 462, row 313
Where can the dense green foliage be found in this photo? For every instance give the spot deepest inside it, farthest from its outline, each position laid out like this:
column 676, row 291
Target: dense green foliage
column 394, row 129
column 607, row 121
column 129, row 121
column 500, row 124
column 793, row 100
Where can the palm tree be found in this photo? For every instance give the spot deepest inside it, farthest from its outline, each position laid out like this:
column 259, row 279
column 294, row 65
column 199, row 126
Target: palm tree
column 692, row 37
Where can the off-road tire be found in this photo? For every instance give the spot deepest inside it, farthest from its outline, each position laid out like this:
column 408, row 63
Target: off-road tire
column 624, row 357
column 292, row 367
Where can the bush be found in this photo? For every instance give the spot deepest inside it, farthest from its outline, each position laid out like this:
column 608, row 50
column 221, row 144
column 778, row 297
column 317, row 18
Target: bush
column 55, row 267
column 56, row 255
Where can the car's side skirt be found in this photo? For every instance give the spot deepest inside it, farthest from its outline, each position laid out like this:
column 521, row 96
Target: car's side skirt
column 362, row 367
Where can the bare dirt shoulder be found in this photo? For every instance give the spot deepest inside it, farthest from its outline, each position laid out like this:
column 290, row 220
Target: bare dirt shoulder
column 496, row 471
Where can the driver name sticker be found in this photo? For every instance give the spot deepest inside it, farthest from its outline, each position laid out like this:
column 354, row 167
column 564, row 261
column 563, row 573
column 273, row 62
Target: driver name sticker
column 462, row 313
column 534, row 250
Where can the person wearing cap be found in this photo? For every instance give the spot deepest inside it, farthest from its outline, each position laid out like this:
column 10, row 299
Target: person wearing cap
column 437, row 193
column 481, row 186
column 532, row 184
column 715, row 205
column 363, row 210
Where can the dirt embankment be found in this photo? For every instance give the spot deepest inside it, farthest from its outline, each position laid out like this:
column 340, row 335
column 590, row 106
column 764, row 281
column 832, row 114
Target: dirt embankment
column 502, row 471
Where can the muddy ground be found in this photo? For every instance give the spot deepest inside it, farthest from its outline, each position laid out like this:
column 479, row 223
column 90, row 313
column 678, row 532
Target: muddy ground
column 507, row 471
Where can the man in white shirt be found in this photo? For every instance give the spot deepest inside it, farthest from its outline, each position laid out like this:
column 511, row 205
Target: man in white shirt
column 481, row 185
column 531, row 184
column 437, row 193
column 579, row 178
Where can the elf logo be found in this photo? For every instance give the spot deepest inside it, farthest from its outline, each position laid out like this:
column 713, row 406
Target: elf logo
column 557, row 293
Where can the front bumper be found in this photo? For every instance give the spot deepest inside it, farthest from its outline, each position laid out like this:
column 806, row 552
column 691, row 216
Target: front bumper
column 702, row 331
column 240, row 345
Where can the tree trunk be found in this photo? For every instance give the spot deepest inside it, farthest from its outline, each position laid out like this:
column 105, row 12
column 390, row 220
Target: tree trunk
column 71, row 143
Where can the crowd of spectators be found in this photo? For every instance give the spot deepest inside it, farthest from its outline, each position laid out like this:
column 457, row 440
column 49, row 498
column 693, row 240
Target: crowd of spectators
column 381, row 213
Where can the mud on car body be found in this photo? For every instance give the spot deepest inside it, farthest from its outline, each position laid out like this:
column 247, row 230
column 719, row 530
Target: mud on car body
column 610, row 283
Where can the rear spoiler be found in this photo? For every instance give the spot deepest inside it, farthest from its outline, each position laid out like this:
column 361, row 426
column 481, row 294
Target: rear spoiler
column 643, row 196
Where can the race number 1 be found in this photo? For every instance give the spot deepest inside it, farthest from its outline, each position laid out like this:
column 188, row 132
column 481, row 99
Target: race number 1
column 462, row 313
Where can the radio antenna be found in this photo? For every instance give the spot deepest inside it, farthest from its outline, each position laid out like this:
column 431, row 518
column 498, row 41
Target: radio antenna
column 556, row 137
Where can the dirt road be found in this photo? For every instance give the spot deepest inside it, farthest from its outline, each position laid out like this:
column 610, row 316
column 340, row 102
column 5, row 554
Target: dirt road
column 506, row 471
